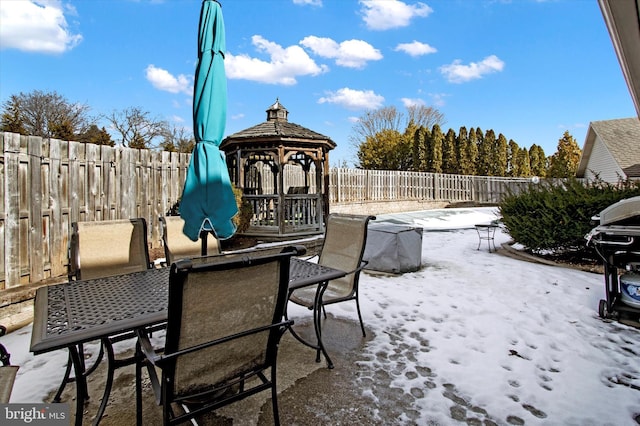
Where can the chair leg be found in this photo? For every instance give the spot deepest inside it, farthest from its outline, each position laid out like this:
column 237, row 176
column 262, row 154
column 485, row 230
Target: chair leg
column 81, row 382
column 274, row 396
column 364, row 334
column 111, row 366
column 65, row 380
column 139, row 360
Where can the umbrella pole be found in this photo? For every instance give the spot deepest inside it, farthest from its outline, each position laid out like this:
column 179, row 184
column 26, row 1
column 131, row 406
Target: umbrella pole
column 203, row 239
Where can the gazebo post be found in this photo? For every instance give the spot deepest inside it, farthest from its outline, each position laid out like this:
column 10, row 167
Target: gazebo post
column 325, row 190
column 281, row 201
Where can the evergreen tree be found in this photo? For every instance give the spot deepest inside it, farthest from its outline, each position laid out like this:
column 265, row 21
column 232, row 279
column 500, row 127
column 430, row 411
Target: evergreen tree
column 62, row 130
column 472, row 152
column 483, row 165
column 462, row 142
column 416, row 149
column 11, row 121
column 435, row 155
column 564, row 162
column 500, row 162
column 538, row 161
column 512, row 158
column 96, row 136
column 138, row 141
column 522, row 164
column 408, row 145
column 449, row 157
column 426, row 156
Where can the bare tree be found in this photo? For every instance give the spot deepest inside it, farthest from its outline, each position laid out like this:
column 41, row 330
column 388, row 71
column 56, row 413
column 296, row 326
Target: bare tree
column 373, row 122
column 44, row 114
column 425, row 116
column 177, row 139
column 136, row 128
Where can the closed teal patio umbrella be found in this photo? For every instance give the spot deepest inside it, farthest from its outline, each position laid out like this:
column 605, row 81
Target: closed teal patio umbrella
column 208, row 202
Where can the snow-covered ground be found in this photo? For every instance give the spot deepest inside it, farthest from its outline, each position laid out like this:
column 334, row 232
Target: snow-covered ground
column 508, row 341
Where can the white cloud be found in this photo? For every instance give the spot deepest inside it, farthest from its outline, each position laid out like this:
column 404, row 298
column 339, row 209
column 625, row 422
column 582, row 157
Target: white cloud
column 438, row 99
column 415, row 48
column 36, row 26
column 411, row 102
column 456, row 72
column 353, row 99
column 387, row 14
column 284, row 65
column 163, row 80
column 349, row 53
column 309, row 2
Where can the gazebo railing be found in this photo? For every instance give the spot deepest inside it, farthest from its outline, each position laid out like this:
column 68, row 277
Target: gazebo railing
column 302, row 214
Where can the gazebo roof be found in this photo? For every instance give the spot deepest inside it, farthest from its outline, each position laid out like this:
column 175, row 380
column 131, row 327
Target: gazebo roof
column 277, row 128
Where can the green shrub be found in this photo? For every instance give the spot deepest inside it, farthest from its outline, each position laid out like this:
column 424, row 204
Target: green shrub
column 242, row 219
column 556, row 217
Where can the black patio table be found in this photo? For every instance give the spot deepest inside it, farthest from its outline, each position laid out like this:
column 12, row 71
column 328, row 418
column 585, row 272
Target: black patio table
column 69, row 314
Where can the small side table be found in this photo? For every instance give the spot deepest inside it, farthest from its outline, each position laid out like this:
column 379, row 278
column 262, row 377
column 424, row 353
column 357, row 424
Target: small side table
column 487, row 231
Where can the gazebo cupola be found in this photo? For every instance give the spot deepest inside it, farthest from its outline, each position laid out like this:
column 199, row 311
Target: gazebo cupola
column 283, row 170
column 277, row 112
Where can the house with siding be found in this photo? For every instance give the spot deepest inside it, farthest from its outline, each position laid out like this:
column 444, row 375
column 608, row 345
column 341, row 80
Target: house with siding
column 611, row 151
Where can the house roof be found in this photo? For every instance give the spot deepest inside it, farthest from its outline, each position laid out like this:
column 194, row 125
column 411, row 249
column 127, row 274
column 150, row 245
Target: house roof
column 622, row 139
column 623, row 21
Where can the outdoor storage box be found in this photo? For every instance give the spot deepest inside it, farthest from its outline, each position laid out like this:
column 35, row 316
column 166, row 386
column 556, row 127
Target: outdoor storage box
column 393, row 248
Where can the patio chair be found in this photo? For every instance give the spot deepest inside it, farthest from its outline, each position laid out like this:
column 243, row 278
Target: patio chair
column 7, row 371
column 106, row 248
column 225, row 321
column 102, row 249
column 179, row 246
column 343, row 247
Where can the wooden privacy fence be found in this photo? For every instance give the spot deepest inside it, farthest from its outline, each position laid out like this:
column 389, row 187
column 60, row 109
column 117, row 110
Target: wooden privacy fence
column 48, row 184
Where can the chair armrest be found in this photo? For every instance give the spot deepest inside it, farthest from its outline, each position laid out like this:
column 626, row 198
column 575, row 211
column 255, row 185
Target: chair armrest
column 281, row 325
column 363, row 263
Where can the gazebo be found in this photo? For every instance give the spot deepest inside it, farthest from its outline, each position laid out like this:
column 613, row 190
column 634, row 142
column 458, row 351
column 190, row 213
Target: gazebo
column 282, row 169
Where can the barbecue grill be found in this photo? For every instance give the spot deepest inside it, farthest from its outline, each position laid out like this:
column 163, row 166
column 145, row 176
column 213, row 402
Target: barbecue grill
column 617, row 241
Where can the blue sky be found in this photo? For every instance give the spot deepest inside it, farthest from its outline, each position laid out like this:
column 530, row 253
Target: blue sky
column 527, row 69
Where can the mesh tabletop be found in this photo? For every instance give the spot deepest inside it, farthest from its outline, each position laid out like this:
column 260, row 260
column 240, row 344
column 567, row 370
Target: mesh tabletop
column 81, row 311
column 303, row 273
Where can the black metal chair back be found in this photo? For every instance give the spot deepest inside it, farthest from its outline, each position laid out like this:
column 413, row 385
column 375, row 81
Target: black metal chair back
column 225, row 320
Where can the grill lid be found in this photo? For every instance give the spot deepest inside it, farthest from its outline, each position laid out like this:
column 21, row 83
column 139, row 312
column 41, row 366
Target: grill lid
column 626, row 211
